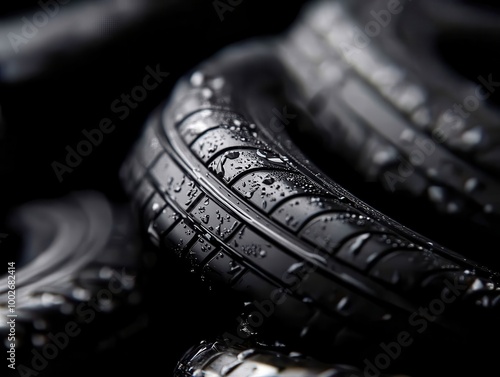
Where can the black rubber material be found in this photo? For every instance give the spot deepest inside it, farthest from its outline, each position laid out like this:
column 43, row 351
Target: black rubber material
column 217, row 360
column 395, row 99
column 217, row 181
column 78, row 264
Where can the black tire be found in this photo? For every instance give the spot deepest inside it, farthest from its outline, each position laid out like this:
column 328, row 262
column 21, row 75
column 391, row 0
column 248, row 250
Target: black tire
column 392, row 104
column 77, row 265
column 216, row 359
column 217, row 181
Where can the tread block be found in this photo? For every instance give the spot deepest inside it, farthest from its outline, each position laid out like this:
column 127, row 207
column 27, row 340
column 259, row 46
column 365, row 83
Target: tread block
column 329, row 231
column 294, row 213
column 236, row 162
column 220, row 139
column 336, row 299
column 174, row 183
column 267, row 189
column 406, row 270
column 153, row 208
column 179, row 237
column 223, row 268
column 364, row 248
column 215, row 218
column 165, row 220
column 263, row 253
column 200, row 122
column 200, row 251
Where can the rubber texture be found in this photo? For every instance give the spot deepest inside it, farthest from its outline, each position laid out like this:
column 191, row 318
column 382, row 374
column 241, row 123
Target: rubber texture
column 395, row 99
column 215, row 359
column 78, row 264
column 216, row 182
